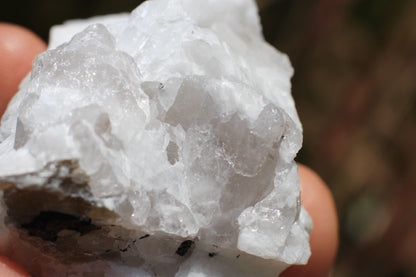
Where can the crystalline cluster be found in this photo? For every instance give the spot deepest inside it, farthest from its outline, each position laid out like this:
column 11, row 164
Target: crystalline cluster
column 159, row 143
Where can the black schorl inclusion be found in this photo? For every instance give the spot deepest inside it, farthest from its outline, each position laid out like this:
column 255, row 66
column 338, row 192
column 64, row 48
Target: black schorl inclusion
column 145, row 236
column 184, row 247
column 48, row 224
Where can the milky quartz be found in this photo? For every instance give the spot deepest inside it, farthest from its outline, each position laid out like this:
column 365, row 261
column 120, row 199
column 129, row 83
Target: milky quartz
column 156, row 143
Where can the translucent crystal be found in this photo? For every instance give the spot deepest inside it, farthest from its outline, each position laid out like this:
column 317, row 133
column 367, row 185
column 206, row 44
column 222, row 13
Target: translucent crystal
column 156, row 143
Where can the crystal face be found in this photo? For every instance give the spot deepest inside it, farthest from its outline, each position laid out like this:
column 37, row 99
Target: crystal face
column 159, row 143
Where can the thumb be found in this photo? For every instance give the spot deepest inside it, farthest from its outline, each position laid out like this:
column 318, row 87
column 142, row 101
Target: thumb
column 8, row 268
column 18, row 49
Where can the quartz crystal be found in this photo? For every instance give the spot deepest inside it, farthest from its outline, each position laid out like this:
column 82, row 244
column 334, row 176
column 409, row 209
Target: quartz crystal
column 156, row 143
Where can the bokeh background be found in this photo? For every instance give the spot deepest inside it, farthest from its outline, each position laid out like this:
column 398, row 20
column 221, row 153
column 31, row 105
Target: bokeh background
column 355, row 89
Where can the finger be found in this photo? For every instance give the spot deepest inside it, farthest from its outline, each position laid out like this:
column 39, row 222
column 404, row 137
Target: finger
column 318, row 201
column 18, row 49
column 8, row 268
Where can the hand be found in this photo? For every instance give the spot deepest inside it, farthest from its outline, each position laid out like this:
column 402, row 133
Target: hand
column 18, row 49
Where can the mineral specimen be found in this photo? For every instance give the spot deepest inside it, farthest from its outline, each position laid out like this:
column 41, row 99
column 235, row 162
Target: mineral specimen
column 159, row 143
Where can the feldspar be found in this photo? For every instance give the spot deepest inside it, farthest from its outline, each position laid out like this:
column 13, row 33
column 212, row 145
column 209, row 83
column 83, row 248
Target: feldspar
column 159, row 143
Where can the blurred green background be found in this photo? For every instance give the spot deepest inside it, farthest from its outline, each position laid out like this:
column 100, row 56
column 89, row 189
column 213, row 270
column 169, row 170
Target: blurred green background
column 355, row 89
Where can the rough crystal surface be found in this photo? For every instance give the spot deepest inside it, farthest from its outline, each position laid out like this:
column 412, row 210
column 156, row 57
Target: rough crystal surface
column 159, row 143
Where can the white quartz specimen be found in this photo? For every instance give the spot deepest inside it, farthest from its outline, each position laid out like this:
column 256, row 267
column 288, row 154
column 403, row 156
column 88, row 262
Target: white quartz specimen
column 159, row 143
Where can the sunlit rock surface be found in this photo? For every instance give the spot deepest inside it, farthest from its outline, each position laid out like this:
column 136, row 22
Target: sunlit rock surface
column 159, row 143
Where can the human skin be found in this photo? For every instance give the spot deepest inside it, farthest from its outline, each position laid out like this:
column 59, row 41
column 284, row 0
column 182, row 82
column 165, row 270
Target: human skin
column 18, row 49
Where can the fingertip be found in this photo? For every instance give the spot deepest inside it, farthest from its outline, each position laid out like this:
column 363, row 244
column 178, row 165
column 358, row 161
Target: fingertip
column 8, row 268
column 18, row 49
column 318, row 201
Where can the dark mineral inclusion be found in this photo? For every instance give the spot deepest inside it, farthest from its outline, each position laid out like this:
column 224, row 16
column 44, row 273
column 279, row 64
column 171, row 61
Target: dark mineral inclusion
column 48, row 224
column 184, row 247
